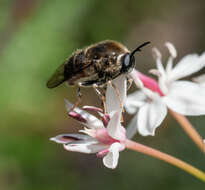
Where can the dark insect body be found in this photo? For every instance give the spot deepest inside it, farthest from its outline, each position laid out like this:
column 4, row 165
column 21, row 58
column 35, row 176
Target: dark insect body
column 95, row 65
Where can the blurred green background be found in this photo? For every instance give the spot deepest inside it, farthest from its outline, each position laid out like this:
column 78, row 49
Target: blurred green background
column 35, row 37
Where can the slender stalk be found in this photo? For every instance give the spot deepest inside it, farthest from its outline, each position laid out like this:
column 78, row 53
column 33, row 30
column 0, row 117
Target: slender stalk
column 167, row 158
column 189, row 129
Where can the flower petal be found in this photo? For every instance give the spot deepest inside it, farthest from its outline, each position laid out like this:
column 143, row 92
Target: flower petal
column 134, row 101
column 156, row 53
column 131, row 130
column 149, row 82
column 105, row 119
column 112, row 99
column 102, row 153
column 88, row 147
column 172, row 49
column 137, row 78
column 91, row 120
column 150, row 116
column 114, row 128
column 77, row 116
column 187, row 98
column 200, row 80
column 111, row 159
column 93, row 108
column 158, row 58
column 187, row 66
column 67, row 138
column 173, row 54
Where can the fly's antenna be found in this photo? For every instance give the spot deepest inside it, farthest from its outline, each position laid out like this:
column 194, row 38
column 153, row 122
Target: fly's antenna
column 139, row 48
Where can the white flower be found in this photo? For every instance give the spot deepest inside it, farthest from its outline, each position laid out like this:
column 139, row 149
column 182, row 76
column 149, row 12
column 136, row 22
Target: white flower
column 200, row 80
column 151, row 110
column 183, row 97
column 105, row 137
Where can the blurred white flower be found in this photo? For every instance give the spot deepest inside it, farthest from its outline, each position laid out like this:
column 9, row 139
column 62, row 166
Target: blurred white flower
column 152, row 100
column 105, row 137
column 200, row 80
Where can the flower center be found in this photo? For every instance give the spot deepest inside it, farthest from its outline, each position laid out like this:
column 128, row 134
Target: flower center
column 103, row 136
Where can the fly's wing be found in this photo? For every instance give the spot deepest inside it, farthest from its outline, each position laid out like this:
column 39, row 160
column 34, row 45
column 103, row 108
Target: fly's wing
column 73, row 67
column 105, row 49
column 77, row 63
column 57, row 78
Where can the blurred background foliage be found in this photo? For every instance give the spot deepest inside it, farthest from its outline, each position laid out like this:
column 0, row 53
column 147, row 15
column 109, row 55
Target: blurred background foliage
column 35, row 37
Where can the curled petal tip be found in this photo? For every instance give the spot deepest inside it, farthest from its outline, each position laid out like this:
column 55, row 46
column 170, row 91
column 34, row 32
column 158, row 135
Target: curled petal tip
column 53, row 139
column 77, row 116
column 67, row 138
column 92, row 108
column 102, row 153
column 171, row 48
column 156, row 53
column 155, row 72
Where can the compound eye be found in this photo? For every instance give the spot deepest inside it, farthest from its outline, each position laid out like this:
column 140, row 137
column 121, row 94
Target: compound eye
column 127, row 60
column 131, row 64
column 128, row 63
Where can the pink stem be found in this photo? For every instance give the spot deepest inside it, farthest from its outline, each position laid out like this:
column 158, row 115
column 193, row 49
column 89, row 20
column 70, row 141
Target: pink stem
column 189, row 129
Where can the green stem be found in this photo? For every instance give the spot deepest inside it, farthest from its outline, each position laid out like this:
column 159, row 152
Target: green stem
column 165, row 157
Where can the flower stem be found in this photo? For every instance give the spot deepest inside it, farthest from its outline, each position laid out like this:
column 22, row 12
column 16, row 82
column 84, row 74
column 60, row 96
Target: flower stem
column 165, row 157
column 189, row 129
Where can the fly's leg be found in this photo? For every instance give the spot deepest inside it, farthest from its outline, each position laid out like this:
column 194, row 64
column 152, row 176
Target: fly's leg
column 89, row 83
column 102, row 97
column 96, row 84
column 79, row 95
column 129, row 82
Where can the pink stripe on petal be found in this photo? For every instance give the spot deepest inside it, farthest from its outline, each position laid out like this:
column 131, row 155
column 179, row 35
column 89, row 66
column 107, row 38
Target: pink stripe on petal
column 62, row 139
column 77, row 116
column 105, row 119
column 149, row 82
column 92, row 108
column 102, row 153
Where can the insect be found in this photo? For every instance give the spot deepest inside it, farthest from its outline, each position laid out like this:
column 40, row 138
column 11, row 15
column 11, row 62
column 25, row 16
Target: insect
column 95, row 65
